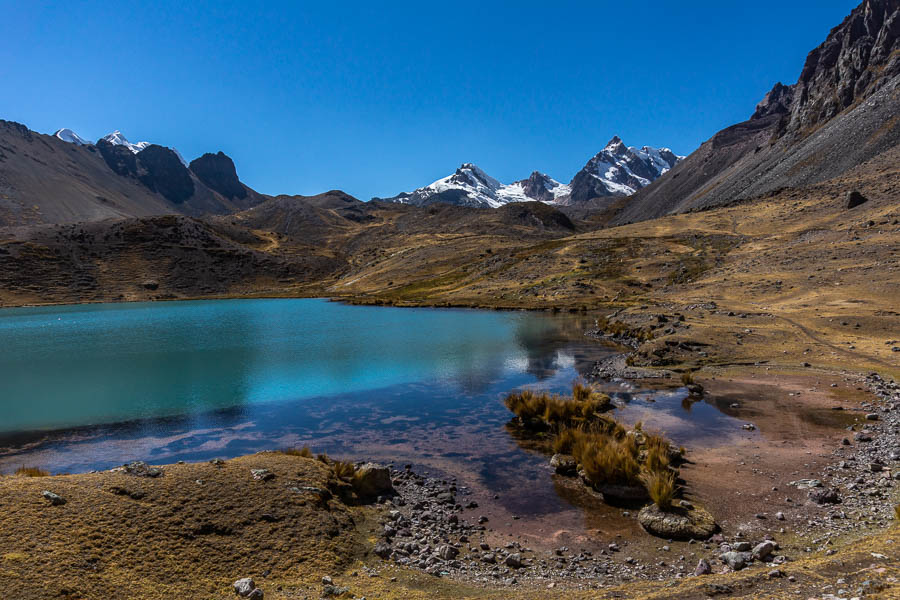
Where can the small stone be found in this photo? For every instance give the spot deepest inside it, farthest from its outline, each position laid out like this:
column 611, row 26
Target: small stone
column 139, row 468
column 53, row 499
column 262, row 474
column 244, row 587
column 872, row 417
column 779, row 516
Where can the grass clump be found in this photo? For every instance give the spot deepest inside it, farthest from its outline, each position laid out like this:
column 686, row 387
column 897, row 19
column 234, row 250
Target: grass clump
column 305, row 452
column 687, row 378
column 608, row 454
column 543, row 411
column 660, row 486
column 31, row 472
column 343, row 470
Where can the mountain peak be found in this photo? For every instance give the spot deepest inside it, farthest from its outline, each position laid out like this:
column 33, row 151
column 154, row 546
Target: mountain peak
column 116, row 138
column 67, row 135
column 620, row 170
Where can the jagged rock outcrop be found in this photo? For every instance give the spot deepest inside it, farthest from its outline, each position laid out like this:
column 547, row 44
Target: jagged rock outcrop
column 163, row 172
column 218, row 173
column 840, row 114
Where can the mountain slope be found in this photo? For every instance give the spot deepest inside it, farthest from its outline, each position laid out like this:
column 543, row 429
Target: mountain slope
column 44, row 179
column 841, row 113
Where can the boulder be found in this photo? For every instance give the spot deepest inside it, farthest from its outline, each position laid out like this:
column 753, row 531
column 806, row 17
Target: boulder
column 736, row 560
column 703, row 568
column 139, row 468
column 854, row 199
column 564, row 464
column 246, row 588
column 372, row 480
column 383, row 549
column 824, row 496
column 514, row 561
column 763, row 551
column 447, row 552
column 678, row 523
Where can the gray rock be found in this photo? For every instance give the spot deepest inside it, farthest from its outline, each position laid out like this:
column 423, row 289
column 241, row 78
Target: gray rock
column 383, row 549
column 447, row 552
column 139, row 468
column 244, row 587
column 262, row 474
column 763, row 551
column 824, row 496
column 703, row 568
column 736, row 560
column 53, row 499
column 742, row 546
column 371, row 480
column 514, row 561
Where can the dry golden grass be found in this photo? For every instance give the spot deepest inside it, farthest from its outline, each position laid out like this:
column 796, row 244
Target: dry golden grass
column 32, row 472
column 557, row 412
column 660, row 486
column 189, row 533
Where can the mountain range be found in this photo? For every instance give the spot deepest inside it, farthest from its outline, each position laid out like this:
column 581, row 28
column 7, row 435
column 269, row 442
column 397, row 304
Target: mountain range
column 837, row 121
column 617, row 170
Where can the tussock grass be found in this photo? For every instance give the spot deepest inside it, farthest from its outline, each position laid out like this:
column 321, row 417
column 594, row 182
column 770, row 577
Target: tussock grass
column 541, row 410
column 687, row 378
column 32, row 472
column 607, row 452
column 660, row 486
column 343, row 470
column 305, row 452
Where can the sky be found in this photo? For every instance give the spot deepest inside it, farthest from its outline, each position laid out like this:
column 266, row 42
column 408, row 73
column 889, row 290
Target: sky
column 376, row 98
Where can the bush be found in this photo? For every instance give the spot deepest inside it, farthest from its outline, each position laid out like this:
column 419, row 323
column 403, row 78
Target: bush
column 32, row 472
column 660, row 486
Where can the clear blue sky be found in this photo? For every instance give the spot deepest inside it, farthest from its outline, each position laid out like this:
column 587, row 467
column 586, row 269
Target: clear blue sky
column 380, row 97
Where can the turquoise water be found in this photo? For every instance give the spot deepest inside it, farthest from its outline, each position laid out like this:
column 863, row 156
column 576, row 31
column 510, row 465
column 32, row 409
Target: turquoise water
column 94, row 364
column 94, row 386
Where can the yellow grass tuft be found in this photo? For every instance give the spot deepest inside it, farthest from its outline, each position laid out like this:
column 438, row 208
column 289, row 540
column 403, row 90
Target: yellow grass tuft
column 305, row 452
column 660, row 486
column 32, row 472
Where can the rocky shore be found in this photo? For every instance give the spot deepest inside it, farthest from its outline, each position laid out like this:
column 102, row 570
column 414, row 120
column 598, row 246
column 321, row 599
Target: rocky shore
column 431, row 525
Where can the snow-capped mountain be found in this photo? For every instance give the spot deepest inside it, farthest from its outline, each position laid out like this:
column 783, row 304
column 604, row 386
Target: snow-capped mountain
column 470, row 186
column 117, row 139
column 67, row 135
column 616, row 170
column 619, row 170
